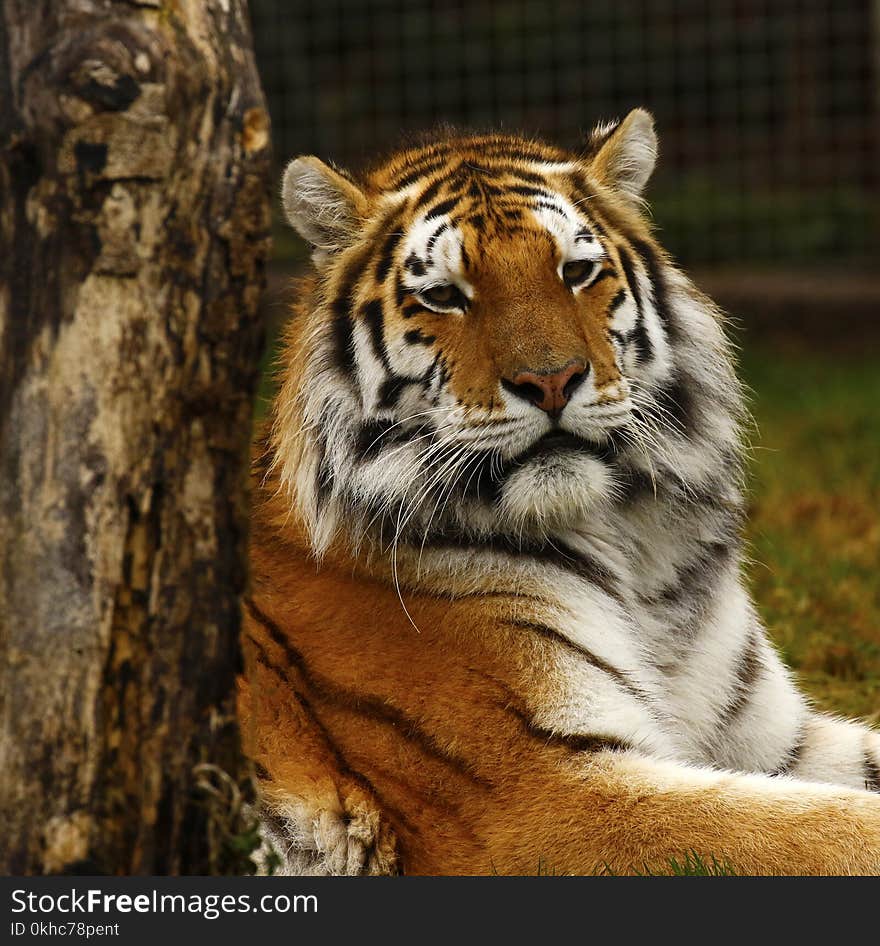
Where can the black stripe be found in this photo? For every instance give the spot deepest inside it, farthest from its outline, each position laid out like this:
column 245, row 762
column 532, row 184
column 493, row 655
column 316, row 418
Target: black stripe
column 513, row 171
column 559, row 555
column 506, row 169
column 747, row 673
column 413, row 308
column 677, row 399
column 342, row 323
column 650, row 259
column 580, row 183
column 528, row 191
column 871, row 766
column 514, row 597
column 695, row 577
column 386, row 255
column 546, row 205
column 324, row 481
column 433, row 238
column 342, row 302
column 511, row 702
column 363, row 704
column 658, row 278
column 642, row 341
column 617, row 301
column 577, row 742
column 339, row 759
column 638, row 336
column 415, row 265
column 442, row 208
column 484, row 189
column 603, row 274
column 400, row 291
column 793, row 755
column 375, row 319
column 424, row 169
column 598, row 227
column 429, row 193
column 415, row 336
column 544, row 630
column 512, row 150
column 391, row 389
column 423, row 166
column 675, row 402
column 630, row 273
column 373, row 437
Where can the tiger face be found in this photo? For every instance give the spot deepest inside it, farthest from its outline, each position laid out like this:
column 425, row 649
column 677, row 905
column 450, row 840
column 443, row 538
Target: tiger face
column 483, row 343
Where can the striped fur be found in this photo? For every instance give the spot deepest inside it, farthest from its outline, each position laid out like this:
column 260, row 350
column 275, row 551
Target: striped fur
column 483, row 634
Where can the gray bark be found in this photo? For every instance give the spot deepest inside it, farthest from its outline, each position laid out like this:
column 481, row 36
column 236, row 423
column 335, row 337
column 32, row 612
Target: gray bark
column 134, row 222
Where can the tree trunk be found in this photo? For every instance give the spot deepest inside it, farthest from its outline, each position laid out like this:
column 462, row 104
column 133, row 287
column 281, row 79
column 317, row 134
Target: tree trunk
column 134, row 221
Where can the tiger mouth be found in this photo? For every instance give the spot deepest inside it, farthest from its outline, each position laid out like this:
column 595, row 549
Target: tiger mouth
column 557, row 441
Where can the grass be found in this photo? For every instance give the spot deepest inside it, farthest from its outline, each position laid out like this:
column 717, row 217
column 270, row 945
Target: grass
column 815, row 518
column 690, row 864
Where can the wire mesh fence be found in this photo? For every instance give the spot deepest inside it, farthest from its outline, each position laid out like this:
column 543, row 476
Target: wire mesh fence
column 768, row 110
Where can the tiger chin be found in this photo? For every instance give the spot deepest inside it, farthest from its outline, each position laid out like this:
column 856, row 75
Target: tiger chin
column 497, row 618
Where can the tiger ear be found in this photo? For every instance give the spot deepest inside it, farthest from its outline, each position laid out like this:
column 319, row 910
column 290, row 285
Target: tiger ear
column 623, row 154
column 322, row 205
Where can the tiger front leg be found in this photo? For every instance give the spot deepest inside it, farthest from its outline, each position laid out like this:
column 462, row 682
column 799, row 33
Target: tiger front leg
column 838, row 751
column 316, row 816
column 773, row 729
column 626, row 813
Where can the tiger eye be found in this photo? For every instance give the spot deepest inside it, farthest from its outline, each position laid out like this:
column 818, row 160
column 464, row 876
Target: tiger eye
column 441, row 295
column 576, row 271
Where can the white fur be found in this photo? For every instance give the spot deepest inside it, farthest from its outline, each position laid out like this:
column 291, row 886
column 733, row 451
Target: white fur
column 680, row 619
column 632, row 146
column 319, row 205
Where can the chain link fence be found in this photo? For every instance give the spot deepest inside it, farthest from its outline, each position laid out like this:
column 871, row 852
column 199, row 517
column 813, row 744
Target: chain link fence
column 767, row 109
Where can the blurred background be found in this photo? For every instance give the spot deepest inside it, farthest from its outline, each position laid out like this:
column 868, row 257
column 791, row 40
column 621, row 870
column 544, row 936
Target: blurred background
column 767, row 192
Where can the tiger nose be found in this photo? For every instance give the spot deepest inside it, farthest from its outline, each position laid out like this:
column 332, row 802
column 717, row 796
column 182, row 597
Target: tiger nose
column 548, row 391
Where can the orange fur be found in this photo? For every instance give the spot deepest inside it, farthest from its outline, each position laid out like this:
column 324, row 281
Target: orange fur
column 431, row 731
column 410, row 737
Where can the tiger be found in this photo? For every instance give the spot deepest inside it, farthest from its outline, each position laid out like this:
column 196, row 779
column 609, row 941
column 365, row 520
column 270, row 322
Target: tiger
column 497, row 615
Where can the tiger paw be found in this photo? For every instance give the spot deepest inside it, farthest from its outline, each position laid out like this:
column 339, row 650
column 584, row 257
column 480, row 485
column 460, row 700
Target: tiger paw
column 349, row 840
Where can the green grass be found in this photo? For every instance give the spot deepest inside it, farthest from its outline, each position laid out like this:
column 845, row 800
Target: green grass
column 690, row 864
column 815, row 518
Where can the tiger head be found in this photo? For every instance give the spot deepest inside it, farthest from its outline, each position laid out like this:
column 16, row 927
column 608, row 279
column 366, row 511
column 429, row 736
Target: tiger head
column 487, row 340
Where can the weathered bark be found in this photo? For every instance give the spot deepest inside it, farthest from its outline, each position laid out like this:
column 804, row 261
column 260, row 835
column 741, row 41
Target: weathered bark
column 133, row 230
